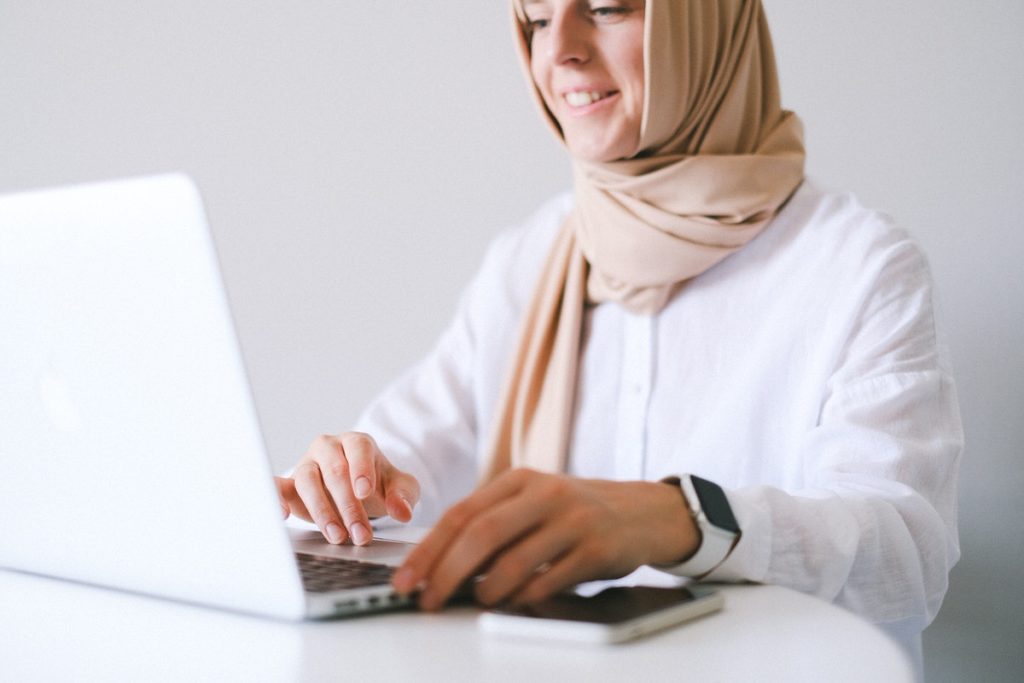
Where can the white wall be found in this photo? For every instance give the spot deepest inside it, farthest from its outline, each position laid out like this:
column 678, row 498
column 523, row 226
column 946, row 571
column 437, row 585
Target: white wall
column 356, row 157
column 918, row 106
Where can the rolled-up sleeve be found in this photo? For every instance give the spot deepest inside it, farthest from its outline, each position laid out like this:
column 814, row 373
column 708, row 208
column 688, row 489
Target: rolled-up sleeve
column 874, row 529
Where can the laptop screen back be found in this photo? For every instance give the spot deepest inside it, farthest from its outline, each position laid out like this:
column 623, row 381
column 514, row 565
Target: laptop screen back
column 130, row 449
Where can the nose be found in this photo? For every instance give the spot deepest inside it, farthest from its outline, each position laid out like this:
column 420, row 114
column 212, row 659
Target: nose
column 568, row 41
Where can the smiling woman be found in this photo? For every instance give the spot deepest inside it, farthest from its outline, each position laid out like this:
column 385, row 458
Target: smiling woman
column 695, row 307
column 588, row 64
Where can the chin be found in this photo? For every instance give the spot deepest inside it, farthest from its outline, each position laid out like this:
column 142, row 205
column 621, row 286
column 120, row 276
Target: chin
column 598, row 151
column 591, row 154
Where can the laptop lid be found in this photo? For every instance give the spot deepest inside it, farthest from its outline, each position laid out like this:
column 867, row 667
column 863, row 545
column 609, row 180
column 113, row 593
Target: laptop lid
column 130, row 450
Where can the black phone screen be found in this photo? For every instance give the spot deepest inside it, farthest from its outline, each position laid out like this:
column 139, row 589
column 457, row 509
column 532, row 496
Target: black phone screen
column 610, row 606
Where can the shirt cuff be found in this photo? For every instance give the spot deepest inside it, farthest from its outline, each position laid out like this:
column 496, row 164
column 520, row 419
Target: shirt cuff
column 751, row 556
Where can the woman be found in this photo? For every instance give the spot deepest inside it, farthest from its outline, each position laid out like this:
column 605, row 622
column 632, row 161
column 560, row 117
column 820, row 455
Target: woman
column 695, row 307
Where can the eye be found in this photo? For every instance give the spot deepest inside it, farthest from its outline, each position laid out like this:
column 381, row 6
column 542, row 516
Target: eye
column 610, row 12
column 537, row 16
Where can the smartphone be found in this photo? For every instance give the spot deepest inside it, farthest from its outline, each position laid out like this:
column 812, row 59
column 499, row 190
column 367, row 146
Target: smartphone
column 614, row 615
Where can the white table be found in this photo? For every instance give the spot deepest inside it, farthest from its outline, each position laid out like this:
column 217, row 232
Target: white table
column 57, row 631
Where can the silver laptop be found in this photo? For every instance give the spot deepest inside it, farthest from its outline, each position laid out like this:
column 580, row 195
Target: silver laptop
column 130, row 449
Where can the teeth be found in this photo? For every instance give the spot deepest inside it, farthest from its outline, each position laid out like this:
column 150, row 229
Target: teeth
column 582, row 99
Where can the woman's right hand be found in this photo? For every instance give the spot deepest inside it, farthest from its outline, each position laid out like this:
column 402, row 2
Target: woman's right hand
column 343, row 481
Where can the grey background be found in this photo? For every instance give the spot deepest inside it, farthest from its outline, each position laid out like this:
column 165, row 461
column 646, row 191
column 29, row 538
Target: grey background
column 356, row 157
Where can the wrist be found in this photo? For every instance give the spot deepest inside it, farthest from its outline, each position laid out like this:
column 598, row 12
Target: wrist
column 675, row 535
column 712, row 515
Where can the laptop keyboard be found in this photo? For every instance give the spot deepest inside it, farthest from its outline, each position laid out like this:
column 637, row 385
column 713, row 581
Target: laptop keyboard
column 322, row 574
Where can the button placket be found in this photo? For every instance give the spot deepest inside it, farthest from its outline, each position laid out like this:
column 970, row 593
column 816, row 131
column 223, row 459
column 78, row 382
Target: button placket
column 635, row 383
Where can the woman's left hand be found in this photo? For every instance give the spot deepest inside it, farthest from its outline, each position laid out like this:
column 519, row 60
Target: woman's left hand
column 529, row 535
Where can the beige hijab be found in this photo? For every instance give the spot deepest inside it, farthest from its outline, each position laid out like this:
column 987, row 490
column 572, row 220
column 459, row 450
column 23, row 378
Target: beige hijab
column 716, row 160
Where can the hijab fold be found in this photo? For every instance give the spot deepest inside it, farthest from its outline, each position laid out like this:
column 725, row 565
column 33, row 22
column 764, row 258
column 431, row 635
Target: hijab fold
column 716, row 160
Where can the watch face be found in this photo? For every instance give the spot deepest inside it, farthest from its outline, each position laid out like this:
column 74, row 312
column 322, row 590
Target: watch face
column 714, row 504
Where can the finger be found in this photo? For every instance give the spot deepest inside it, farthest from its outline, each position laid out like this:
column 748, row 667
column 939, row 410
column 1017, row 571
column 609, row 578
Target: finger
column 522, row 561
column 285, row 510
column 329, row 455
column 402, row 494
column 582, row 563
column 291, row 503
column 310, row 487
column 488, row 535
column 361, row 451
column 420, row 562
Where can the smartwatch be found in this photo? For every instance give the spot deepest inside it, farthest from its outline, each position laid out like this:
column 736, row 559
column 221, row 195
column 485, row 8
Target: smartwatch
column 711, row 512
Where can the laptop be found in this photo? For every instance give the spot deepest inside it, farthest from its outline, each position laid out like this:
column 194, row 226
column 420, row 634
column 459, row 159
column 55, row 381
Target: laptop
column 131, row 454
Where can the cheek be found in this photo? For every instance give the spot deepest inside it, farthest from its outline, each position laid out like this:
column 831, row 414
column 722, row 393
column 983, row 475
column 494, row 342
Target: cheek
column 631, row 56
column 638, row 102
column 637, row 88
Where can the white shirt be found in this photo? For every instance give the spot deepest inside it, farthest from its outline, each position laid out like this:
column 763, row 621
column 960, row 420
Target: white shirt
column 802, row 374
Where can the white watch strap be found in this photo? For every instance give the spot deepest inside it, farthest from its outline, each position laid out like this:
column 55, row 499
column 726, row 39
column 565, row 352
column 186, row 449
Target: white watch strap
column 715, row 542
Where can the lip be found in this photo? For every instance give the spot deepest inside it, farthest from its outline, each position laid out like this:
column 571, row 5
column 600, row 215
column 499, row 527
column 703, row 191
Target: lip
column 606, row 101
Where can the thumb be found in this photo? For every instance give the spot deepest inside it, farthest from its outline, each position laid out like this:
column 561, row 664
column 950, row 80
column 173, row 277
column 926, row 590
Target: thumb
column 289, row 499
column 402, row 495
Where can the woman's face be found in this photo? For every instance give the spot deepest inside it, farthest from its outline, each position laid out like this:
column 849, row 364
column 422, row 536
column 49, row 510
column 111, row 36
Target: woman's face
column 587, row 59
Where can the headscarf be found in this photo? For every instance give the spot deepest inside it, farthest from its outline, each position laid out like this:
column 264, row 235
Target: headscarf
column 717, row 159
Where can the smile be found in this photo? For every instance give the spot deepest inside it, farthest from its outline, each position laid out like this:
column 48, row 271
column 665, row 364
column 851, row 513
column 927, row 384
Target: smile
column 582, row 98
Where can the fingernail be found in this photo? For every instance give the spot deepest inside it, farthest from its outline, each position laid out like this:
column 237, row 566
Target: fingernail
column 333, row 532
column 362, row 487
column 360, row 534
column 405, row 501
